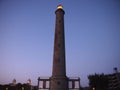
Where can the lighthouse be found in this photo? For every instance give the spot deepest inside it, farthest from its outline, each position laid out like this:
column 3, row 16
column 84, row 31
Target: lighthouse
column 59, row 80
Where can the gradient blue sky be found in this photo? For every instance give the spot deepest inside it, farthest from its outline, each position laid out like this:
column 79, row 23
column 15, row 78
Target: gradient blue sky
column 92, row 34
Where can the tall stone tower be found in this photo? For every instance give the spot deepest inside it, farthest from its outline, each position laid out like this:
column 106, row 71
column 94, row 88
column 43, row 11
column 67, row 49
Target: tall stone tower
column 59, row 80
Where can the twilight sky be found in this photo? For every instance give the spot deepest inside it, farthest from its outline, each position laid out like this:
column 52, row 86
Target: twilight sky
column 92, row 37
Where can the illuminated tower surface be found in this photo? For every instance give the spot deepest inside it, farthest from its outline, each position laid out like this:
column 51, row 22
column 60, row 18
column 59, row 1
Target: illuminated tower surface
column 59, row 80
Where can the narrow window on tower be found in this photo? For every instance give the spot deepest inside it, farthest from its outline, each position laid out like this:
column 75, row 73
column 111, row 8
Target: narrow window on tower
column 58, row 60
column 59, row 32
column 59, row 21
column 58, row 83
column 59, row 45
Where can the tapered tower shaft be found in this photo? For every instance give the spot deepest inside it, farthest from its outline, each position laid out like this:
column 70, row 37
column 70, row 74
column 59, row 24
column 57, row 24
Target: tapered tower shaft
column 59, row 81
column 59, row 46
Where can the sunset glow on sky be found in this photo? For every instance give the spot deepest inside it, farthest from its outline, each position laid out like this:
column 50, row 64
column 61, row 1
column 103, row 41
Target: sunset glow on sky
column 92, row 38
